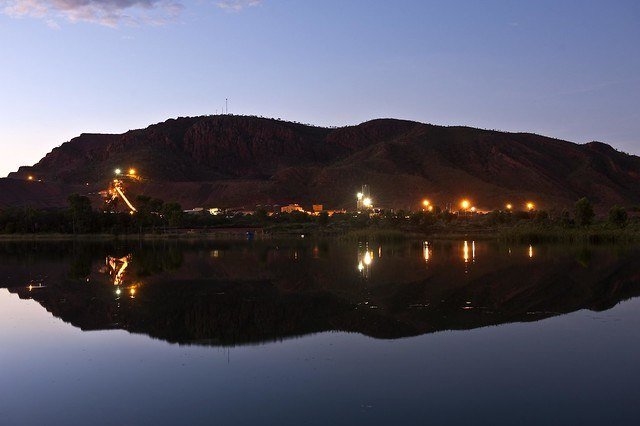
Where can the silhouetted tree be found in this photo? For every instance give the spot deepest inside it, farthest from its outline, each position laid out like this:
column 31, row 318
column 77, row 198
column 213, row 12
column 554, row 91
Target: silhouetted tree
column 584, row 212
column 565, row 218
column 81, row 213
column 618, row 216
column 173, row 214
column 323, row 219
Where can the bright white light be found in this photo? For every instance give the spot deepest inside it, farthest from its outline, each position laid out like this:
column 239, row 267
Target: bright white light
column 367, row 258
column 367, row 202
column 118, row 171
column 359, row 195
column 118, row 291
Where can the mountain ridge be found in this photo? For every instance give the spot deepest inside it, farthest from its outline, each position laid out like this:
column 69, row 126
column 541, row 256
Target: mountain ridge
column 228, row 160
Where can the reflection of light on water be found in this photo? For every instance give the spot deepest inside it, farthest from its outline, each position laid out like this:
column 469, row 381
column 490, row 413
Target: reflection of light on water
column 133, row 290
column 35, row 286
column 117, row 267
column 466, row 256
column 426, row 251
column 530, row 251
column 365, row 260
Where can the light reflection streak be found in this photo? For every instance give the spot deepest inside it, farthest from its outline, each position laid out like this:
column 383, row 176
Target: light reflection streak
column 365, row 260
column 426, row 252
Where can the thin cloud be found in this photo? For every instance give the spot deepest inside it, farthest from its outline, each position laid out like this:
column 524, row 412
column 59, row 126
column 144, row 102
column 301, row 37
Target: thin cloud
column 237, row 5
column 105, row 12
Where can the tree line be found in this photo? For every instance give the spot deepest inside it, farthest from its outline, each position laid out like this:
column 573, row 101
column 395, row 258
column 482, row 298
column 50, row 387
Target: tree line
column 154, row 215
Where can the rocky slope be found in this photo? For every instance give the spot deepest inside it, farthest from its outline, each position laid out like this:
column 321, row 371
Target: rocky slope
column 233, row 161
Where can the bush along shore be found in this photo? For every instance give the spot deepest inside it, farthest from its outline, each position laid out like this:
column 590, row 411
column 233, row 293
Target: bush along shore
column 156, row 219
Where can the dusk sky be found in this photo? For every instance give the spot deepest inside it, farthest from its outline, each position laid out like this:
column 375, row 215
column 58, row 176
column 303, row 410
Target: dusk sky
column 568, row 69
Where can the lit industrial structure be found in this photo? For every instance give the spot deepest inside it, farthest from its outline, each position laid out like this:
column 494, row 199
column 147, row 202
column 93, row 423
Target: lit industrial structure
column 364, row 200
column 116, row 190
column 291, row 208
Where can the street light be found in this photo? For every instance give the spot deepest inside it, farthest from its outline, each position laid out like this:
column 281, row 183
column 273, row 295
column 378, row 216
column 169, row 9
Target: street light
column 530, row 206
column 465, row 204
column 367, row 202
column 118, row 172
column 509, row 207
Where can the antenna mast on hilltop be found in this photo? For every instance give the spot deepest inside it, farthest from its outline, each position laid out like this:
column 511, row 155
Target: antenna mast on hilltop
column 226, row 104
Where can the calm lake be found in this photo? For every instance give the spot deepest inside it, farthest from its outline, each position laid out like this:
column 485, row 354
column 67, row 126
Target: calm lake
column 304, row 332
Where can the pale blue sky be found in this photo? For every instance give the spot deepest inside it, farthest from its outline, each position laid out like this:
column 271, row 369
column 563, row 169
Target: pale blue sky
column 568, row 69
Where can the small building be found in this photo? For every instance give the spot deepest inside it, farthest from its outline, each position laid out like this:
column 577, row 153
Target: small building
column 291, row 208
column 195, row 210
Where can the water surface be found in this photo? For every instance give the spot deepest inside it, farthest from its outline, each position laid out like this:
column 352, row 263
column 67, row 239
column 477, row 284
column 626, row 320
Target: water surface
column 318, row 332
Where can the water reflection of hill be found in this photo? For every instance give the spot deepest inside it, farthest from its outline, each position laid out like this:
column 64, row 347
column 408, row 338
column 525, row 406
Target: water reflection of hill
column 234, row 293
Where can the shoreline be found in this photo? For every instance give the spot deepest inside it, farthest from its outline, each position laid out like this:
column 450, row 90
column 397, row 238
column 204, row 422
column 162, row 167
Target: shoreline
column 596, row 234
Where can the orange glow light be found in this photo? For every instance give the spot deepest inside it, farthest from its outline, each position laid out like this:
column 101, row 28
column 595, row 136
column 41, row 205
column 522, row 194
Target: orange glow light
column 465, row 204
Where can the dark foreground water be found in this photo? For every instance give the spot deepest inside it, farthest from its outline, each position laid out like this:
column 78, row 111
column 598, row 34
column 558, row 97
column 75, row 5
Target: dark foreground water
column 318, row 333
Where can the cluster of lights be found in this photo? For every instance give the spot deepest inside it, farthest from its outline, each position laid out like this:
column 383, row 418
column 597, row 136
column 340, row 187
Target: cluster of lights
column 366, row 260
column 367, row 202
column 529, row 205
column 132, row 172
column 427, row 205
column 467, row 206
